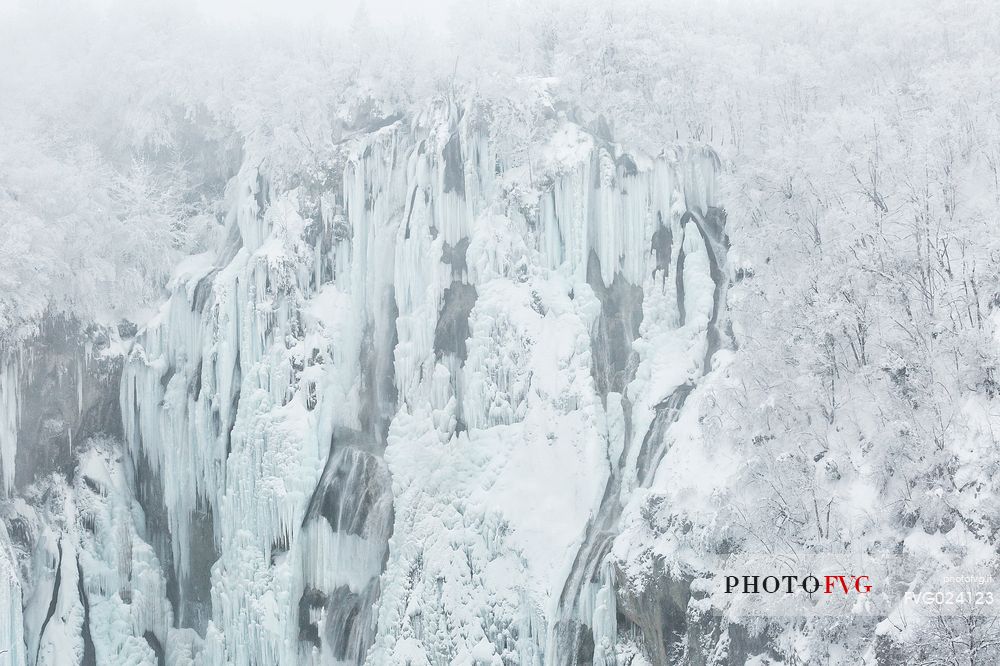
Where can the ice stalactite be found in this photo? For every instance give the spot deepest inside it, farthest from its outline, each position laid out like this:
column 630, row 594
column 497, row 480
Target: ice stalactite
column 8, row 419
column 235, row 393
column 210, row 403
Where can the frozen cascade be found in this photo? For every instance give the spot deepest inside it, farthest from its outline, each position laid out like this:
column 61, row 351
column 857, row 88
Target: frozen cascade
column 624, row 362
column 348, row 429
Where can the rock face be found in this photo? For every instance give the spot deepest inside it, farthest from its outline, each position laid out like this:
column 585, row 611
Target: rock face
column 397, row 418
column 64, row 381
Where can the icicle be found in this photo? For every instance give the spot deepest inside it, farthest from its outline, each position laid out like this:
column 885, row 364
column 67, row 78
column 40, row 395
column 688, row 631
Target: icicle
column 8, row 418
column 79, row 386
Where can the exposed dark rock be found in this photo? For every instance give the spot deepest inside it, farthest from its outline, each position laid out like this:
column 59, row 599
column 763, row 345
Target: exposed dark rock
column 454, row 166
column 378, row 377
column 354, row 494
column 53, row 602
column 157, row 647
column 311, row 599
column 452, row 330
column 89, row 653
column 614, row 361
column 661, row 247
column 196, row 587
column 455, row 257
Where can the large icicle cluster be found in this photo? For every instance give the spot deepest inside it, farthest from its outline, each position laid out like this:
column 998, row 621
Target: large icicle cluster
column 397, row 417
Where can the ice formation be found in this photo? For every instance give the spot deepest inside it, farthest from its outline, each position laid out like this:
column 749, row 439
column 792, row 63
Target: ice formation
column 8, row 420
column 395, row 419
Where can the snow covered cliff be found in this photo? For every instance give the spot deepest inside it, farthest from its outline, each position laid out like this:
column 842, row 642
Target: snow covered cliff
column 398, row 415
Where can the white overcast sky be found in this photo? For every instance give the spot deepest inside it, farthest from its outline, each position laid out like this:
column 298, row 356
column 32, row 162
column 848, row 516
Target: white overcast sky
column 430, row 12
column 380, row 11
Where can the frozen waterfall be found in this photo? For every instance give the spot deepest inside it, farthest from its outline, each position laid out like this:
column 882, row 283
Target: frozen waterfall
column 395, row 418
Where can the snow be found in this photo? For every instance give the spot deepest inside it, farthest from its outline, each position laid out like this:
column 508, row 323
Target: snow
column 498, row 456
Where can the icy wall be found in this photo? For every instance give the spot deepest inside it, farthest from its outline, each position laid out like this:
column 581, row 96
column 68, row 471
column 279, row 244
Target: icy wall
column 77, row 578
column 398, row 418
